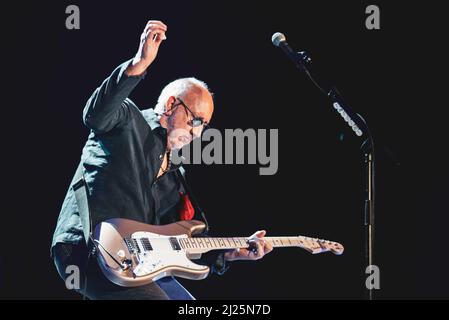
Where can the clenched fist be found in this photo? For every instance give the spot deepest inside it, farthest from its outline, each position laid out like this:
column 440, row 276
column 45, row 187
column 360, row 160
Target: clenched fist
column 150, row 40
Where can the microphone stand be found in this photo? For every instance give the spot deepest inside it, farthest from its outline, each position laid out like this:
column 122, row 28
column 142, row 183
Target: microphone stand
column 360, row 127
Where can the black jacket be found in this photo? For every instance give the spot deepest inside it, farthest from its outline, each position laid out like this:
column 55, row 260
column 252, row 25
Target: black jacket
column 120, row 160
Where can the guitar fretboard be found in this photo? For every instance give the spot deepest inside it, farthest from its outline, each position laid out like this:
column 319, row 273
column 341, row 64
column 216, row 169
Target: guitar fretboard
column 234, row 243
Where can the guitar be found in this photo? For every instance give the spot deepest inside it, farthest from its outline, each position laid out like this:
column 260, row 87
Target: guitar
column 131, row 253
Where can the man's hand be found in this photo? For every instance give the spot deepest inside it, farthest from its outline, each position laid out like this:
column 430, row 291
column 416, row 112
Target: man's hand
column 260, row 247
column 151, row 38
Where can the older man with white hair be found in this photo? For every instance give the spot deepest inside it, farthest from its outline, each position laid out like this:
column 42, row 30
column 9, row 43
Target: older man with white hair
column 127, row 166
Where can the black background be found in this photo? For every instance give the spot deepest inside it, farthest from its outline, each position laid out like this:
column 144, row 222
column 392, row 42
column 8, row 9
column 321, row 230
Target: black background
column 393, row 76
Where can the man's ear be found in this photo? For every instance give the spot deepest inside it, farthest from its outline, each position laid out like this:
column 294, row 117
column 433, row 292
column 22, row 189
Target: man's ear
column 169, row 106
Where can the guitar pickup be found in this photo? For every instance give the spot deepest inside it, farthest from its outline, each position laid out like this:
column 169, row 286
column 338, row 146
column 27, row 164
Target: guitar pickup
column 146, row 244
column 175, row 244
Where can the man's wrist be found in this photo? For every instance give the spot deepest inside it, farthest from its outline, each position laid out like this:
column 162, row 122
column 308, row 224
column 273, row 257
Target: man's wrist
column 137, row 67
column 229, row 256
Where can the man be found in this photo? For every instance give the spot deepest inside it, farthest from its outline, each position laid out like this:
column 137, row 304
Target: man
column 126, row 164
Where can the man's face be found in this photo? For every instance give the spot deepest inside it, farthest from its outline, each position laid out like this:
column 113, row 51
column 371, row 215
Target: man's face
column 178, row 119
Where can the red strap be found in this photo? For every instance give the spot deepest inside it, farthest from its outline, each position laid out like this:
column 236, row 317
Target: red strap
column 186, row 211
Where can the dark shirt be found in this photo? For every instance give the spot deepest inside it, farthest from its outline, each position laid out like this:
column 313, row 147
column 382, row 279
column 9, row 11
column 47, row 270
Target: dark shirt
column 120, row 162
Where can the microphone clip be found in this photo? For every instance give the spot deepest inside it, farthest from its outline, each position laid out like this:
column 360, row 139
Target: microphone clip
column 304, row 57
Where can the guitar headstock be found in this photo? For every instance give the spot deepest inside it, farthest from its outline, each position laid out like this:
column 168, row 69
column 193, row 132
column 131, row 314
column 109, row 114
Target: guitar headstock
column 315, row 245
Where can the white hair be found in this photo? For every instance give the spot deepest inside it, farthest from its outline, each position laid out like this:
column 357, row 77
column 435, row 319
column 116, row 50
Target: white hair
column 178, row 88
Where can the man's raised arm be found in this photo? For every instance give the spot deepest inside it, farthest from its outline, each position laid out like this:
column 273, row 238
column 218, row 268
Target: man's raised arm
column 105, row 109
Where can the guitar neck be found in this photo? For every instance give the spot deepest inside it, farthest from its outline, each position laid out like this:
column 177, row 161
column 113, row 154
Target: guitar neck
column 239, row 242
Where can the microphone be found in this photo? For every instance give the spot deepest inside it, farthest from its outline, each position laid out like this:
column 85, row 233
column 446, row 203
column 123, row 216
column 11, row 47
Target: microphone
column 301, row 59
column 298, row 58
column 277, row 38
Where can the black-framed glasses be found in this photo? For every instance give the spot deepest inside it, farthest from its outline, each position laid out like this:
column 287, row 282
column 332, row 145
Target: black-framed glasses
column 196, row 121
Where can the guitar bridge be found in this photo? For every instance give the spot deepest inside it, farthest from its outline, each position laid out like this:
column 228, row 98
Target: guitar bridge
column 132, row 245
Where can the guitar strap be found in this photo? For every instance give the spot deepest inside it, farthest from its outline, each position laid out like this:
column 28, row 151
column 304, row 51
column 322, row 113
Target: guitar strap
column 199, row 213
column 81, row 196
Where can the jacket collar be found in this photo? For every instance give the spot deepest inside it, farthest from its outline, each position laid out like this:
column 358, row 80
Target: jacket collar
column 151, row 118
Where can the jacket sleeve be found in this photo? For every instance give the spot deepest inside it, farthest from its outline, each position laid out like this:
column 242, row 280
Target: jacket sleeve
column 107, row 108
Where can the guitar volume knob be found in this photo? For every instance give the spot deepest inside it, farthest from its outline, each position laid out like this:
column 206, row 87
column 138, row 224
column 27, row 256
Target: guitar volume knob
column 121, row 255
